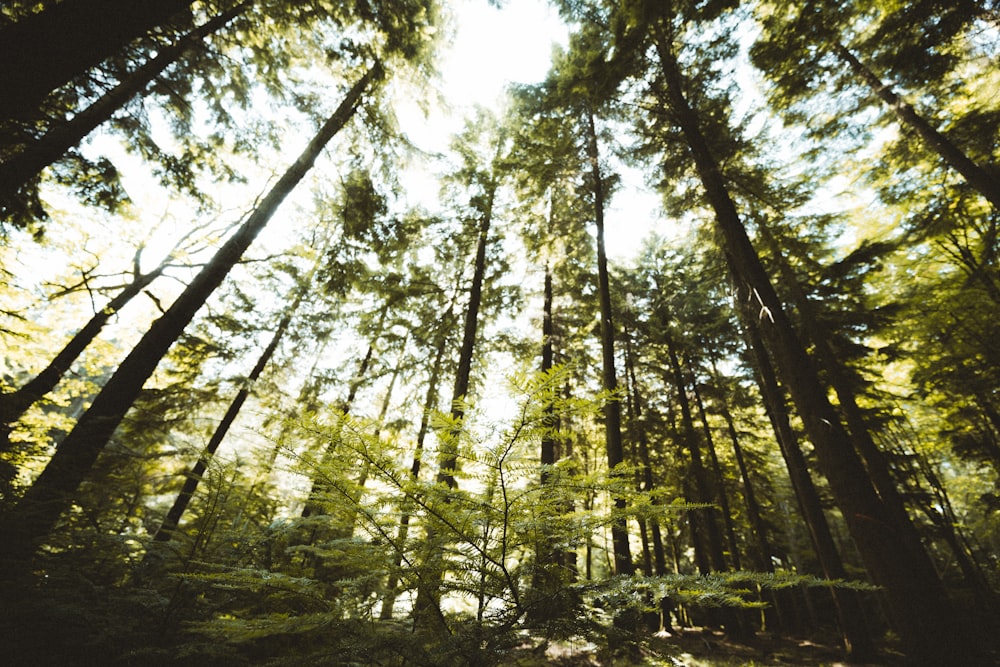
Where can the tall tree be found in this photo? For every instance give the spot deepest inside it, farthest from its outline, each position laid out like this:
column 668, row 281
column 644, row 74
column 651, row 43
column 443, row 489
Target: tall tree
column 172, row 519
column 797, row 41
column 478, row 174
column 920, row 605
column 49, row 48
column 26, row 165
column 14, row 404
column 856, row 637
column 52, row 492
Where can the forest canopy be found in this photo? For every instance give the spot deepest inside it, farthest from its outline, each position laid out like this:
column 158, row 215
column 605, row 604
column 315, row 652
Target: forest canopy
column 279, row 384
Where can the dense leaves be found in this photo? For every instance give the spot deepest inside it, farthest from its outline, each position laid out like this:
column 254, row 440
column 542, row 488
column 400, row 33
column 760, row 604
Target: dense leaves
column 268, row 400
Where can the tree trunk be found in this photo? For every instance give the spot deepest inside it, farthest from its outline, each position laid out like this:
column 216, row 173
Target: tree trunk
column 46, row 50
column 173, row 517
column 430, row 404
column 642, row 438
column 719, row 488
column 548, row 444
column 53, row 490
column 427, row 604
column 857, row 640
column 762, row 562
column 449, row 451
column 924, row 616
column 980, row 179
column 612, row 405
column 703, row 519
column 15, row 404
column 837, row 376
column 547, row 557
column 320, row 488
column 42, row 152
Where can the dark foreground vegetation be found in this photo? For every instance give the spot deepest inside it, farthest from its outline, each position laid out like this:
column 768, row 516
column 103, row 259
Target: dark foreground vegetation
column 277, row 387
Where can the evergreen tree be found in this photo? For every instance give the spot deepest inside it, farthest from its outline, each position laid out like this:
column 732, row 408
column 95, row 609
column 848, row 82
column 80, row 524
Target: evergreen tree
column 51, row 492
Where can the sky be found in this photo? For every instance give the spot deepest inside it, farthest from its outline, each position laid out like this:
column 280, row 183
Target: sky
column 493, row 48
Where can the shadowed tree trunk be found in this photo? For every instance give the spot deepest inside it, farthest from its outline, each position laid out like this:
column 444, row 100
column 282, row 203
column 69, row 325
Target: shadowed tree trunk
column 45, row 50
column 924, row 616
column 704, row 519
column 850, row 615
column 612, row 405
column 719, row 489
column 52, row 492
column 27, row 164
column 983, row 181
column 449, row 453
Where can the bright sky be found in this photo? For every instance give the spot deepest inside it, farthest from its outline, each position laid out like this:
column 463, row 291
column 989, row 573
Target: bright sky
column 493, row 48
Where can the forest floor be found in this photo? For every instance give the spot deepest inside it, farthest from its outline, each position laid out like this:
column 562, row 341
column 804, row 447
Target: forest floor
column 697, row 647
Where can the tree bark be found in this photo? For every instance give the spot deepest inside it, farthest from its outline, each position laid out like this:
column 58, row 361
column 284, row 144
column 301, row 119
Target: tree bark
column 46, row 50
column 15, row 404
column 427, row 605
column 702, row 519
column 449, row 451
column 718, row 488
column 27, row 164
column 173, row 517
column 954, row 157
column 924, row 616
column 53, row 490
column 837, row 376
column 642, row 438
column 612, row 405
column 857, row 640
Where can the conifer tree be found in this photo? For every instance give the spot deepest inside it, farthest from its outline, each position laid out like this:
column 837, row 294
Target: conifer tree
column 51, row 493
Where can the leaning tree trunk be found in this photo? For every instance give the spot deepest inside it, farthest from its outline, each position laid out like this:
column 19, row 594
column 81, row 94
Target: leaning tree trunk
column 27, row 164
column 52, row 492
column 173, row 517
column 44, row 51
column 924, row 615
column 837, row 376
column 856, row 638
column 15, row 404
column 982, row 180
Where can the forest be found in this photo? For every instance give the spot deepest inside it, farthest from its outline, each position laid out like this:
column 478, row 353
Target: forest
column 280, row 386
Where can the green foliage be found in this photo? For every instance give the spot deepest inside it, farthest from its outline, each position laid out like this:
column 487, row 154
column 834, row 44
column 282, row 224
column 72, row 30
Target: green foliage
column 317, row 534
column 311, row 588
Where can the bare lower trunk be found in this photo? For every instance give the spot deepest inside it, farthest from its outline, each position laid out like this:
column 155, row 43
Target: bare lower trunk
column 923, row 613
